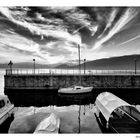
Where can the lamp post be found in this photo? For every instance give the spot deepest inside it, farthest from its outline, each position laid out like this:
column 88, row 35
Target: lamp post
column 34, row 65
column 84, row 65
column 10, row 65
column 135, row 66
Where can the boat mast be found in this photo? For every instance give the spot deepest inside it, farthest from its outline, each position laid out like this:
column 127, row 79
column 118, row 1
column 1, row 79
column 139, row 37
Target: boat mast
column 79, row 64
column 79, row 117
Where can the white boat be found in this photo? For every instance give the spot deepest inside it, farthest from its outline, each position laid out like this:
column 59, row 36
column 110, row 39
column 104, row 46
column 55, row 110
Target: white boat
column 75, row 89
column 6, row 109
column 48, row 125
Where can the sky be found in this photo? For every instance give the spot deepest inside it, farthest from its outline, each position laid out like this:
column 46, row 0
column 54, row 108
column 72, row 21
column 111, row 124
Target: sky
column 50, row 35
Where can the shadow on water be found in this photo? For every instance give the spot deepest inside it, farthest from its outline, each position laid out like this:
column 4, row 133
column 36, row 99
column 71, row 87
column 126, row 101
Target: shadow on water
column 103, row 129
column 130, row 95
column 46, row 97
column 5, row 126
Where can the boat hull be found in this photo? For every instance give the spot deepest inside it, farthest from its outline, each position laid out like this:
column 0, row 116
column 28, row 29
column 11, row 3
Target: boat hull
column 6, row 110
column 75, row 91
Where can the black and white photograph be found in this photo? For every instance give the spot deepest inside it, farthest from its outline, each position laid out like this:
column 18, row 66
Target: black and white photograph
column 70, row 70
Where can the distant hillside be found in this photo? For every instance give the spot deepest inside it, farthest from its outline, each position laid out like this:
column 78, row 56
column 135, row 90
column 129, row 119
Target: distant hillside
column 62, row 66
column 114, row 63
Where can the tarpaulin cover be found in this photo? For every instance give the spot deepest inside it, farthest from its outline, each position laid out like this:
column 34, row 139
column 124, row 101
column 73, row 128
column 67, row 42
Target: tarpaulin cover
column 107, row 102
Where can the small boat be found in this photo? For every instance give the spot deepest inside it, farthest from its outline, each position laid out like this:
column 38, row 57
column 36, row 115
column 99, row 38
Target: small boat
column 6, row 109
column 75, row 89
column 48, row 125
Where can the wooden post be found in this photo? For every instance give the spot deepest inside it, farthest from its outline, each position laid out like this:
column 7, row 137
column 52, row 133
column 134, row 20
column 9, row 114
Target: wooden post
column 79, row 119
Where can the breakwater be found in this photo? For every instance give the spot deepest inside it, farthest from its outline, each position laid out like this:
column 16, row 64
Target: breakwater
column 97, row 81
column 42, row 89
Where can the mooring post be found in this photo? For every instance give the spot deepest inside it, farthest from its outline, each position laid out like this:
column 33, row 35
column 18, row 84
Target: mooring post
column 79, row 118
column 84, row 110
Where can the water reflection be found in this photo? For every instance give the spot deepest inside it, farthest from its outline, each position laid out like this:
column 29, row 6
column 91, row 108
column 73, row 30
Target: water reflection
column 68, row 118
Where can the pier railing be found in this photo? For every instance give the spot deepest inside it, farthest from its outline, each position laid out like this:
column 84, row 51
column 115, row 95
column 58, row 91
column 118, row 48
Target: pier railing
column 69, row 72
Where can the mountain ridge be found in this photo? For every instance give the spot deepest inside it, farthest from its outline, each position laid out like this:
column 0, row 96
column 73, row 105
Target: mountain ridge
column 126, row 62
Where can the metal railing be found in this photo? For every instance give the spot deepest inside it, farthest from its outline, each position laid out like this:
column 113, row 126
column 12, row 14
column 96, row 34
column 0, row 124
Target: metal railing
column 69, row 72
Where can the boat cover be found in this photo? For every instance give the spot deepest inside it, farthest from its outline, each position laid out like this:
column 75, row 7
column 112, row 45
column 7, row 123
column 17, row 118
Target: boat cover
column 48, row 125
column 107, row 102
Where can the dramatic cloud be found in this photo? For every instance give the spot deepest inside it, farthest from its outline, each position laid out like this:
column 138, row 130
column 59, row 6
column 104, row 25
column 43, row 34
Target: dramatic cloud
column 51, row 34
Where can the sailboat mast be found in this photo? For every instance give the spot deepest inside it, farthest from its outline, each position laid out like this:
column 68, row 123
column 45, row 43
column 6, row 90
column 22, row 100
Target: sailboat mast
column 79, row 64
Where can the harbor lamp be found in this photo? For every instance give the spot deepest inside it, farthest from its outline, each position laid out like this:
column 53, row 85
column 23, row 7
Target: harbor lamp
column 10, row 65
column 135, row 66
column 34, row 65
column 84, row 65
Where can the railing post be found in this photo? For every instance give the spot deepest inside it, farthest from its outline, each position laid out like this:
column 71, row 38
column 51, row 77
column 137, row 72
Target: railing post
column 135, row 66
column 6, row 72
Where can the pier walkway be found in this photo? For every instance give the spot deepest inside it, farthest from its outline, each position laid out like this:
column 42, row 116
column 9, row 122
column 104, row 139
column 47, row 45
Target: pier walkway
column 54, row 71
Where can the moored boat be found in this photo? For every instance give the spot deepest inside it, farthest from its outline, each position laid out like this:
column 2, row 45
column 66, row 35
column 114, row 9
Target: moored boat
column 6, row 109
column 49, row 125
column 75, row 90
